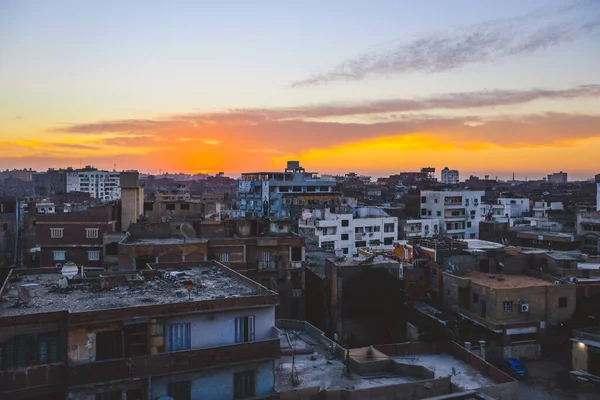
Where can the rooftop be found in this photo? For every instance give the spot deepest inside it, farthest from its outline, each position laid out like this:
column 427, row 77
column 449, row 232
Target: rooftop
column 564, row 256
column 508, row 281
column 476, row 244
column 588, row 265
column 162, row 241
column 122, row 290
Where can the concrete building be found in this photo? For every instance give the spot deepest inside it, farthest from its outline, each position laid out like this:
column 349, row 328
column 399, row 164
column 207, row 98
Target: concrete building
column 450, row 176
column 50, row 182
column 512, row 312
column 586, row 354
column 274, row 193
column 588, row 232
column 459, row 212
column 514, row 207
column 349, row 230
column 22, row 174
column 195, row 331
column 102, row 185
column 557, row 177
column 542, row 209
column 420, row 228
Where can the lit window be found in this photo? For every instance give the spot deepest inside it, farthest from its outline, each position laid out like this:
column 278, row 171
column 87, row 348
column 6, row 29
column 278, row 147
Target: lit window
column 224, row 257
column 59, row 255
column 93, row 255
column 56, row 233
column 91, row 233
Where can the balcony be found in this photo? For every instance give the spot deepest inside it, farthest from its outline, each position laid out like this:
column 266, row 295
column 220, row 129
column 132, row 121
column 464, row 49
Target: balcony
column 172, row 363
column 42, row 379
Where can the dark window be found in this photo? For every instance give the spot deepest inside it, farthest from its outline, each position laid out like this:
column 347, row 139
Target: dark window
column 112, row 249
column 423, row 199
column 345, row 236
column 475, row 298
column 388, row 241
column 243, row 385
column 448, row 291
column 108, row 345
column 389, row 228
column 180, row 390
column 468, row 224
column 296, row 253
column 136, row 340
column 184, row 206
column 423, row 211
column 170, row 206
column 562, row 302
column 439, row 213
column 508, row 306
column 148, row 206
column 360, row 243
column 345, row 222
column 114, row 395
column 345, row 250
column 244, row 329
column 27, row 350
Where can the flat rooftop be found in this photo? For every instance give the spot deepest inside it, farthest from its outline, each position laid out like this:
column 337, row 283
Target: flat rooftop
column 476, row 244
column 508, row 281
column 463, row 375
column 122, row 290
column 588, row 265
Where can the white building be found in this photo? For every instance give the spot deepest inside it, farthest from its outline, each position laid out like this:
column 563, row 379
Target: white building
column 102, row 185
column 423, row 228
column 598, row 196
column 450, row 176
column 459, row 212
column 365, row 227
column 506, row 208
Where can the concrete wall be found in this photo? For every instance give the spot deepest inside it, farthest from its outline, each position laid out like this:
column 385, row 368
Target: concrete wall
column 82, row 342
column 524, row 351
column 218, row 329
column 579, row 357
column 217, row 384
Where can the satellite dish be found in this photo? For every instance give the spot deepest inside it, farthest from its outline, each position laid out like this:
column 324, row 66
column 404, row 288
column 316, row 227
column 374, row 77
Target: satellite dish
column 188, row 231
column 69, row 270
column 24, row 295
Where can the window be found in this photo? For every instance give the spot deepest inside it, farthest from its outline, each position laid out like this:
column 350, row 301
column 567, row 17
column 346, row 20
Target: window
column 389, row 228
column 329, row 245
column 359, row 229
column 91, row 233
column 344, row 250
column 179, row 337
column 93, row 255
column 423, row 211
column 266, row 260
column 56, row 233
column 224, row 257
column 26, row 350
column 423, row 199
column 448, row 292
column 562, row 302
column 508, row 306
column 59, row 255
column 376, row 229
column 439, row 213
column 296, row 253
column 181, row 390
column 360, row 243
column 475, row 298
column 184, row 206
column 388, row 241
column 368, row 229
column 345, row 222
column 243, row 385
column 244, row 329
column 170, row 206
column 468, row 224
column 345, row 236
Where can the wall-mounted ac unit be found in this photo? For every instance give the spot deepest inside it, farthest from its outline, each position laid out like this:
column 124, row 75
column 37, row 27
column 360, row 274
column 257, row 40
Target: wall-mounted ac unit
column 557, row 282
column 358, row 236
column 524, row 307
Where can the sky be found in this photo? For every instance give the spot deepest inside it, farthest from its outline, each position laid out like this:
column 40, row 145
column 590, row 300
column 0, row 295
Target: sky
column 378, row 87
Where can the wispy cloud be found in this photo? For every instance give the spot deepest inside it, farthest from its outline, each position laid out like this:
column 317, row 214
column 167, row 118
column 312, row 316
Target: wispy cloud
column 484, row 42
column 212, row 142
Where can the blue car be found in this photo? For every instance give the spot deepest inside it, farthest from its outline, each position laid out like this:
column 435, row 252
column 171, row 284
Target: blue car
column 512, row 367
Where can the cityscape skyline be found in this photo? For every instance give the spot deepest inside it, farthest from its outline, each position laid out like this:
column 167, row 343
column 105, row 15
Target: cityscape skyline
column 488, row 89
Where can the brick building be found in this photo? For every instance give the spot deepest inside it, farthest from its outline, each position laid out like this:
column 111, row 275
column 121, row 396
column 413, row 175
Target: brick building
column 75, row 237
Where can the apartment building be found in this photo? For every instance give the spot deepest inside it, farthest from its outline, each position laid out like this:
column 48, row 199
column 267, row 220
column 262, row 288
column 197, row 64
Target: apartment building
column 512, row 312
column 542, row 209
column 75, row 237
column 274, row 193
column 350, row 230
column 450, row 176
column 102, row 185
column 199, row 331
column 22, row 174
column 420, row 228
column 588, row 231
column 459, row 212
column 557, row 177
column 514, row 207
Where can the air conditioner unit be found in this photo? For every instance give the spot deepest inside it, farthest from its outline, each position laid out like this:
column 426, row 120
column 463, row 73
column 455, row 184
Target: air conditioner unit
column 524, row 307
column 557, row 282
column 370, row 235
column 358, row 236
column 58, row 265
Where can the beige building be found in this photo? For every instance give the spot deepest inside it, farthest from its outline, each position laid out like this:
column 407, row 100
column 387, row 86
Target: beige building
column 586, row 353
column 513, row 312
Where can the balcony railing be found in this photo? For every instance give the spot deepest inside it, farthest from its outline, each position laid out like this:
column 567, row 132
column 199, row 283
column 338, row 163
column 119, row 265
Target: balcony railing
column 170, row 363
column 40, row 378
column 266, row 265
